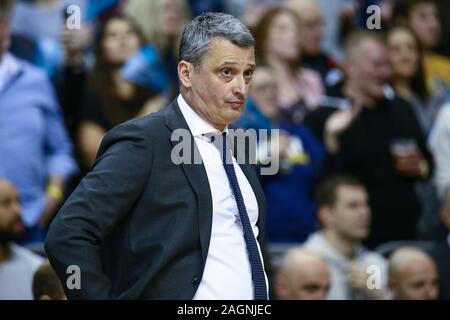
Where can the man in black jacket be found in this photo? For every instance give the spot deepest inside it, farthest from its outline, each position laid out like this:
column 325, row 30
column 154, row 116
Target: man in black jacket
column 143, row 224
column 371, row 134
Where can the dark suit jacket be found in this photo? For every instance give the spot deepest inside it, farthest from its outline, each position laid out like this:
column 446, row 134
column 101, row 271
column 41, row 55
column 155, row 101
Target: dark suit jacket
column 138, row 225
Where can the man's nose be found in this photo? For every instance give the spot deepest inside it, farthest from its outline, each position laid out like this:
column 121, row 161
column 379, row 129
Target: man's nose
column 240, row 87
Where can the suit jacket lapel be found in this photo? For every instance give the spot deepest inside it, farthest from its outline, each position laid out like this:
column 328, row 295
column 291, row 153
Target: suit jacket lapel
column 196, row 175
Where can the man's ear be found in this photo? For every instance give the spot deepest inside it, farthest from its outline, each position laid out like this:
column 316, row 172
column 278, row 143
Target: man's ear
column 280, row 287
column 185, row 70
column 324, row 216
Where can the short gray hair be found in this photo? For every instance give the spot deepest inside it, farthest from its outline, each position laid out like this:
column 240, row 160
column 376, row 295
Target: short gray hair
column 200, row 32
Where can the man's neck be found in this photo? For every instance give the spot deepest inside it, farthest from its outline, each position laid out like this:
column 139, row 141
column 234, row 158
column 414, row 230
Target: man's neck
column 5, row 251
column 345, row 247
column 357, row 96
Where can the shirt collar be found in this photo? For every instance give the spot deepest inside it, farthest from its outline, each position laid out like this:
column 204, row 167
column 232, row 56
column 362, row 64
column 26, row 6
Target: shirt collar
column 196, row 123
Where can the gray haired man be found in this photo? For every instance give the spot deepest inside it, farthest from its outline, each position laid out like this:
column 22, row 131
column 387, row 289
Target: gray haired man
column 140, row 226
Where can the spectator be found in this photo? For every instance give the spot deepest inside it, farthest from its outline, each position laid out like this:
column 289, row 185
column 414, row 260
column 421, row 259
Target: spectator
column 36, row 152
column 312, row 32
column 110, row 99
column 301, row 157
column 409, row 83
column 17, row 264
column 278, row 46
column 42, row 21
column 372, row 129
column 337, row 13
column 345, row 216
column 162, row 22
column 412, row 275
column 46, row 285
column 302, row 275
column 423, row 18
column 441, row 253
column 408, row 75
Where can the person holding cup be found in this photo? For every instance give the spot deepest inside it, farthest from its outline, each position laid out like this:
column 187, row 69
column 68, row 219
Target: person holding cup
column 375, row 136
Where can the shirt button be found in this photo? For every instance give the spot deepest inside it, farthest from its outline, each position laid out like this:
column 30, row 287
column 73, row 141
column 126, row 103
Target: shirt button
column 195, row 280
column 213, row 139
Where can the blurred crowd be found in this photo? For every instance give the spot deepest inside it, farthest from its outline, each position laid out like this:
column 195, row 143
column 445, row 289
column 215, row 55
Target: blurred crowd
column 360, row 208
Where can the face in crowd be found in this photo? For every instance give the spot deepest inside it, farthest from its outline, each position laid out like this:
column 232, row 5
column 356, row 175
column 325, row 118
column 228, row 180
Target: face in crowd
column 11, row 227
column 350, row 214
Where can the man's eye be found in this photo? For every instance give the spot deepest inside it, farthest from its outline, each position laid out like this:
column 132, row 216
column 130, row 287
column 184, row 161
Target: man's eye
column 248, row 74
column 226, row 72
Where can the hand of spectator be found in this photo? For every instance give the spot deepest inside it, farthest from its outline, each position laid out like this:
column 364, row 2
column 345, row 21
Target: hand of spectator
column 411, row 164
column 357, row 279
column 51, row 206
column 337, row 123
column 283, row 144
column 74, row 42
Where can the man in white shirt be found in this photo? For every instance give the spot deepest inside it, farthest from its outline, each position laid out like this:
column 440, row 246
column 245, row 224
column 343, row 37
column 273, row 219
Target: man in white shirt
column 344, row 214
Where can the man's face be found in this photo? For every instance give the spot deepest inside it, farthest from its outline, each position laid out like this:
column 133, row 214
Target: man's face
column 265, row 92
column 220, row 85
column 10, row 223
column 424, row 20
column 370, row 69
column 417, row 281
column 351, row 213
column 312, row 283
column 311, row 30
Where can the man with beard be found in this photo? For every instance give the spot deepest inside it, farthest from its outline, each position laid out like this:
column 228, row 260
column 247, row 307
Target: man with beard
column 17, row 264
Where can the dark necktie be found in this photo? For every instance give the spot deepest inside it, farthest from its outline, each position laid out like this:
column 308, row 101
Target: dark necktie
column 258, row 277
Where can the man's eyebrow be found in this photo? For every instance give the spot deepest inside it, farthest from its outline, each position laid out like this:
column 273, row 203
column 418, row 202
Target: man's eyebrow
column 230, row 63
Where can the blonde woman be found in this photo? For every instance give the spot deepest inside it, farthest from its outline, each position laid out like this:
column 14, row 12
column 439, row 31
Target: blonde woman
column 162, row 22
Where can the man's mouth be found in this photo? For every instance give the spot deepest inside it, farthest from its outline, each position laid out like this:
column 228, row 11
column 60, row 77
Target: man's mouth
column 236, row 104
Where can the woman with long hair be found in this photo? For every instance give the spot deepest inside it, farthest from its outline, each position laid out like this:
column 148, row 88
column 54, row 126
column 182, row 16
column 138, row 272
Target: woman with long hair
column 408, row 77
column 278, row 46
column 162, row 23
column 110, row 99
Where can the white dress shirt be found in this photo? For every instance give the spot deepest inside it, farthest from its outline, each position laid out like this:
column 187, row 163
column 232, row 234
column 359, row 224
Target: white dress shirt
column 227, row 274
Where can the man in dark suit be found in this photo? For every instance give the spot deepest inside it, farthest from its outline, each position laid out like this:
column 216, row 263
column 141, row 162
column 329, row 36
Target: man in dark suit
column 142, row 226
